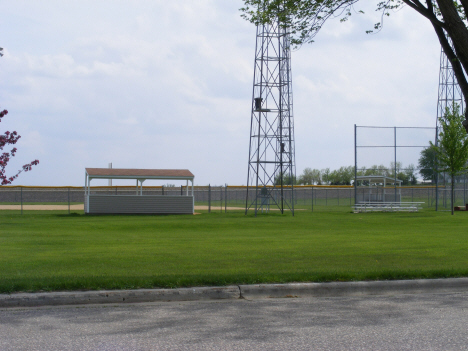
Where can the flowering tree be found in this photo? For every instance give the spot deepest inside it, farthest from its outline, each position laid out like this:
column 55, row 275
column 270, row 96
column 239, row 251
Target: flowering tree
column 6, row 139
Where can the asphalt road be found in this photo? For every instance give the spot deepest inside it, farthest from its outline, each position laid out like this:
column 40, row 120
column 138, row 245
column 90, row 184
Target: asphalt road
column 400, row 322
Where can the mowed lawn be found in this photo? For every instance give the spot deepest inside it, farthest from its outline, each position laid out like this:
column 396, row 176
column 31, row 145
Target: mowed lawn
column 51, row 251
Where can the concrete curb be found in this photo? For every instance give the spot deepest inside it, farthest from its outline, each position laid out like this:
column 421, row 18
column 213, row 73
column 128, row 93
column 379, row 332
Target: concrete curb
column 390, row 287
column 118, row 296
column 260, row 291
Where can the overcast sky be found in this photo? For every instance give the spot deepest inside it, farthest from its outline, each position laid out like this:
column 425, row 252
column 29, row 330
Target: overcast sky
column 167, row 84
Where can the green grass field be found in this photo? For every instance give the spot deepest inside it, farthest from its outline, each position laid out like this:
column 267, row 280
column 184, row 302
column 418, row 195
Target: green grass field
column 57, row 251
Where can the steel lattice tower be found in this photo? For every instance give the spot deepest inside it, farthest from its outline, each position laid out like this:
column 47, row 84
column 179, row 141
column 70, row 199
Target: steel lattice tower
column 449, row 90
column 449, row 94
column 271, row 167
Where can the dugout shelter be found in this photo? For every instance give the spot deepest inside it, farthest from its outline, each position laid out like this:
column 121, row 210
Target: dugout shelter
column 139, row 203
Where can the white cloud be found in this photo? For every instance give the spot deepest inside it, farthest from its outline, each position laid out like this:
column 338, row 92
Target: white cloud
column 168, row 84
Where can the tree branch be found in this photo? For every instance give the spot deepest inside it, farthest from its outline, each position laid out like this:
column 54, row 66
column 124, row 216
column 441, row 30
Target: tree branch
column 425, row 11
column 465, row 6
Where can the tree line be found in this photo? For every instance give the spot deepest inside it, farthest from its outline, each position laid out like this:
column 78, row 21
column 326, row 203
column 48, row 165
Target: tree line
column 427, row 169
column 345, row 174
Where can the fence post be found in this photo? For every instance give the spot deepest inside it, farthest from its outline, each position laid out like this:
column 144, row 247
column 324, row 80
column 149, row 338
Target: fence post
column 181, row 190
column 21, row 200
column 225, row 198
column 312, row 196
column 162, row 187
column 445, row 198
column 454, row 193
column 209, row 198
column 326, row 197
column 338, row 196
column 464, row 190
column 68, row 200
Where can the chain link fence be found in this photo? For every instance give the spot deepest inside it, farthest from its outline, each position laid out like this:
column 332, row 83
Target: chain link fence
column 215, row 198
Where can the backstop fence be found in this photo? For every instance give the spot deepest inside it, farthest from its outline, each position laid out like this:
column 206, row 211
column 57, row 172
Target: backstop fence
column 402, row 154
column 216, row 198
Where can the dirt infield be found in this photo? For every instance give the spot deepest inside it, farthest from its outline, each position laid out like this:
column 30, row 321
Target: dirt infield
column 218, row 208
column 43, row 207
column 81, row 207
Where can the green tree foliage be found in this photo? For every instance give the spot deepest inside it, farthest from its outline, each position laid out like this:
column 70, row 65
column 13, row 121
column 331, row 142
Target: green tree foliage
column 410, row 173
column 305, row 18
column 427, row 163
column 345, row 175
column 452, row 151
column 407, row 175
column 342, row 176
column 375, row 170
column 287, row 180
column 325, row 176
column 310, row 177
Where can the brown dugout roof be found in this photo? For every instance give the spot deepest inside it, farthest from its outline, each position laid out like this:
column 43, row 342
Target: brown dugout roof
column 131, row 173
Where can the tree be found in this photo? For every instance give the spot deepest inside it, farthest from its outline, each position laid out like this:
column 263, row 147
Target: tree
column 287, row 180
column 427, row 163
column 377, row 170
column 406, row 175
column 10, row 138
column 409, row 174
column 325, row 175
column 305, row 18
column 342, row 176
column 309, row 176
column 452, row 151
column 395, row 168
